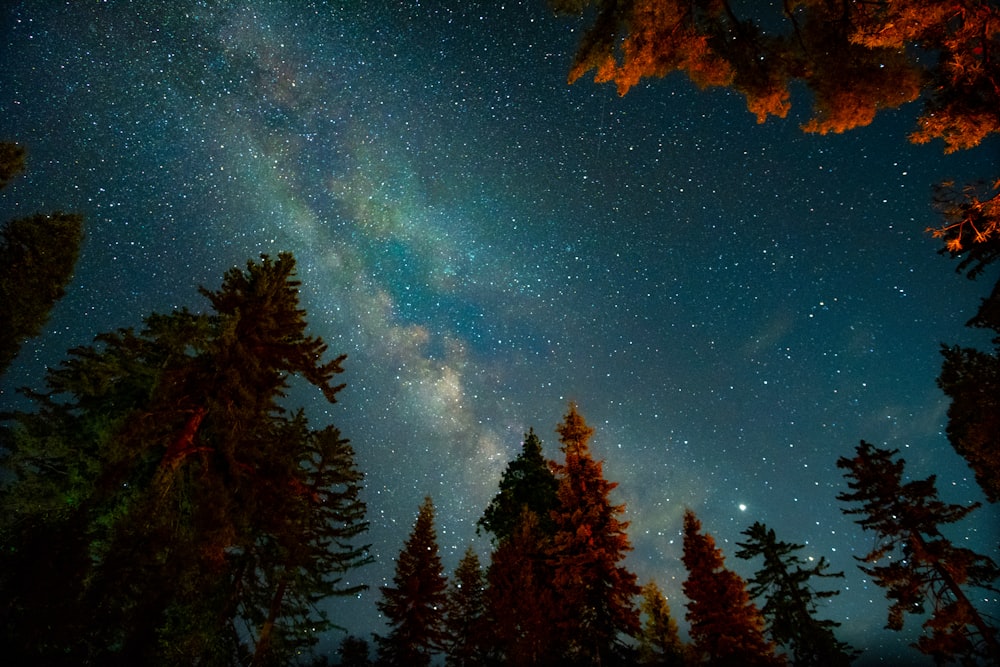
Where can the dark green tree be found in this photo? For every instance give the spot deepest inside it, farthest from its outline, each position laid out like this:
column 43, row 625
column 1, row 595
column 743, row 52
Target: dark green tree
column 466, row 643
column 593, row 590
column 199, row 521
column 527, row 483
column 659, row 643
column 353, row 652
column 38, row 254
column 790, row 602
column 727, row 628
column 414, row 606
column 921, row 566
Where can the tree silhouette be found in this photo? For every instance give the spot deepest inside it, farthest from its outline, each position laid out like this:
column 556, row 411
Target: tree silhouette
column 38, row 254
column 659, row 642
column 922, row 566
column 414, row 606
column 195, row 519
column 527, row 483
column 790, row 601
column 594, row 592
column 725, row 625
column 466, row 643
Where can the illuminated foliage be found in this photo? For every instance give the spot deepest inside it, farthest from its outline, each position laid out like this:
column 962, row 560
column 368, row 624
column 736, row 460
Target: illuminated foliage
column 921, row 565
column 414, row 606
column 659, row 642
column 593, row 591
column 466, row 642
column 725, row 625
column 971, row 229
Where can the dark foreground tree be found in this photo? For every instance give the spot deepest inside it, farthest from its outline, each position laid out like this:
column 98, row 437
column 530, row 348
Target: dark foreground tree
column 922, row 567
column 593, row 591
column 466, row 642
column 37, row 257
column 414, row 606
column 790, row 601
column 659, row 643
column 726, row 626
column 191, row 518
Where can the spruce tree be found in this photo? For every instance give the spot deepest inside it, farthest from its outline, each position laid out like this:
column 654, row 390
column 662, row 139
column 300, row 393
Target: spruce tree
column 727, row 629
column 594, row 592
column 790, row 601
column 204, row 521
column 465, row 614
column 414, row 606
column 659, row 643
column 527, row 483
column 922, row 567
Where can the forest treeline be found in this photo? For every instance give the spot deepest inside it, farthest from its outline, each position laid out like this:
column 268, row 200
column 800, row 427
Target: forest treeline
column 160, row 504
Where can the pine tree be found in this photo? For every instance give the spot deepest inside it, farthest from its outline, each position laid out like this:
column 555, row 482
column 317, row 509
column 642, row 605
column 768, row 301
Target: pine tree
column 519, row 597
column 789, row 600
column 726, row 626
column 594, row 592
column 527, row 482
column 205, row 522
column 922, row 566
column 414, row 607
column 465, row 614
column 354, row 652
column 659, row 643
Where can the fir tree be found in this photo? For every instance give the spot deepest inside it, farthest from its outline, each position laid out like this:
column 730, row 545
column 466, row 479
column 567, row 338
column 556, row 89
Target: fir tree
column 594, row 592
column 789, row 600
column 922, row 565
column 205, row 522
column 465, row 614
column 726, row 626
column 527, row 483
column 659, row 643
column 414, row 607
column 353, row 652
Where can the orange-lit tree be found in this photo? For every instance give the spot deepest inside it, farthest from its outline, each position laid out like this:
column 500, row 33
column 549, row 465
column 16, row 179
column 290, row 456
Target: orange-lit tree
column 466, row 642
column 659, row 642
column 726, row 627
column 414, row 606
column 593, row 590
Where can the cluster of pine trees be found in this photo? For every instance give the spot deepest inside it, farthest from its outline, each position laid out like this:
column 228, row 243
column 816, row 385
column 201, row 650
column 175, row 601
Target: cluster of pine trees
column 556, row 591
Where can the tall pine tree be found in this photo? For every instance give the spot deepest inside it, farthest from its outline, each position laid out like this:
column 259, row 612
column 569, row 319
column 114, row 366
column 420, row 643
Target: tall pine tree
column 921, row 565
column 727, row 629
column 466, row 642
column 594, row 592
column 660, row 644
column 790, row 602
column 414, row 606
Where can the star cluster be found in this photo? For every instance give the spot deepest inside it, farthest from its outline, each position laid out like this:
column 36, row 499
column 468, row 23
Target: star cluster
column 733, row 306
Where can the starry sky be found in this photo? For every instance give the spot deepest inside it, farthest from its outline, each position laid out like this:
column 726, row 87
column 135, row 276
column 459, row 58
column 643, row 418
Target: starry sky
column 733, row 306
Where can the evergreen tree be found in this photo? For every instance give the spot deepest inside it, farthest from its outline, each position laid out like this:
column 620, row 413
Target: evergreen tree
column 196, row 520
column 594, row 592
column 527, row 483
column 354, row 652
column 519, row 597
column 37, row 256
column 726, row 626
column 922, row 565
column 465, row 614
column 414, row 607
column 971, row 378
column 789, row 600
column 659, row 643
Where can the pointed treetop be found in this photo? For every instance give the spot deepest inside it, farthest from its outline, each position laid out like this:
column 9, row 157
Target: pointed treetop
column 574, row 432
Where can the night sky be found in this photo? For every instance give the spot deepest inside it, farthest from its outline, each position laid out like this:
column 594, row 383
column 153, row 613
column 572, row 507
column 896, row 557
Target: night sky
column 733, row 306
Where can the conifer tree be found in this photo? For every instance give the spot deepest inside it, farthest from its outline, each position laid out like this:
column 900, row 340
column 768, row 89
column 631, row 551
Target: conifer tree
column 527, row 483
column 465, row 614
column 353, row 652
column 594, row 592
column 197, row 520
column 921, row 565
column 790, row 601
column 414, row 606
column 659, row 643
column 520, row 606
column 726, row 626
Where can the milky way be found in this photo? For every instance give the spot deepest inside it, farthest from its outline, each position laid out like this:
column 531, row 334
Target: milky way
column 732, row 306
